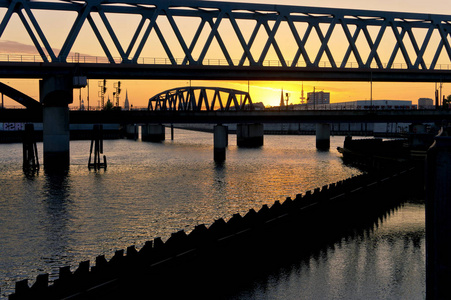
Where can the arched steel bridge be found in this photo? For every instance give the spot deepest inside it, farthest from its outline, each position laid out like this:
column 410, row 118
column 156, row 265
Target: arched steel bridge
column 230, row 41
column 201, row 98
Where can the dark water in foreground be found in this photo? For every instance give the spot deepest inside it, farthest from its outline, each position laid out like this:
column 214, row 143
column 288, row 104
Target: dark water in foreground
column 151, row 190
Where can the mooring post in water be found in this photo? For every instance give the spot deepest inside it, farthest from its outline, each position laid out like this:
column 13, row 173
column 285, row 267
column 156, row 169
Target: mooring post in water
column 322, row 136
column 97, row 144
column 172, row 132
column 438, row 218
column 220, row 143
column 30, row 151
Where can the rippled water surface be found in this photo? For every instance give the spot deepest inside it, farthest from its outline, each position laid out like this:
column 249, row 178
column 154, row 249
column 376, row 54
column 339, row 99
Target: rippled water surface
column 151, row 190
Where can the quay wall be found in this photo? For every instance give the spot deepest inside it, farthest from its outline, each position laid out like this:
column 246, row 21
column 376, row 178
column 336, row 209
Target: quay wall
column 212, row 259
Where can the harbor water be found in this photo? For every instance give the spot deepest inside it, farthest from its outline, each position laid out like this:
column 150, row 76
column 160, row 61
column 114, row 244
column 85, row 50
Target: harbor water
column 151, row 190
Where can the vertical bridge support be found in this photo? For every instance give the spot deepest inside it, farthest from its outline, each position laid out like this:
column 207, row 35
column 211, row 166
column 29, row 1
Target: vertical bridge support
column 56, row 93
column 153, row 133
column 131, row 131
column 220, row 143
column 438, row 221
column 322, row 136
column 249, row 135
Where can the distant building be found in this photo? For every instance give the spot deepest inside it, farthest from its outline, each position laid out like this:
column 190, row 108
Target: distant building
column 359, row 104
column 425, row 103
column 375, row 104
column 321, row 97
column 126, row 103
column 258, row 106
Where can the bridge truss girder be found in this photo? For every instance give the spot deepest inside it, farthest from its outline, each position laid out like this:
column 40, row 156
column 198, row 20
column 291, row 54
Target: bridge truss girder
column 320, row 23
column 200, row 98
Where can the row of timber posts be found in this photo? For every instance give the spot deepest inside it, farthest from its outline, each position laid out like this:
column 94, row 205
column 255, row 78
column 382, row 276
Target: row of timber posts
column 225, row 246
column 438, row 220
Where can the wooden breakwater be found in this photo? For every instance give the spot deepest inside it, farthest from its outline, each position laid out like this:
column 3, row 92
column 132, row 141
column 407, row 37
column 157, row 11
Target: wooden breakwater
column 209, row 261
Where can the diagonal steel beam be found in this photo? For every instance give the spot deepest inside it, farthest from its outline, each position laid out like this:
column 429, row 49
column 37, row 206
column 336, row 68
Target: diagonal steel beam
column 352, row 46
column 400, row 44
column 419, row 60
column 214, row 33
column 301, row 43
column 399, row 37
column 179, row 36
column 425, row 44
column 372, row 54
column 444, row 36
column 100, row 39
column 324, row 43
column 135, row 36
column 112, row 35
column 82, row 15
column 164, row 44
column 152, row 16
column 12, row 7
column 246, row 49
column 39, row 31
column 195, row 39
column 251, row 40
column 32, row 36
column 271, row 41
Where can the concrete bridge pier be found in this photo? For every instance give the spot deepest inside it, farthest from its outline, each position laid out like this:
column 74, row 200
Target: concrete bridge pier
column 153, row 133
column 131, row 131
column 322, row 136
column 56, row 93
column 438, row 221
column 249, row 135
column 220, row 138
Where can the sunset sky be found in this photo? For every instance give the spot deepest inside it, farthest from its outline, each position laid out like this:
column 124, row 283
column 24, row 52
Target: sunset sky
column 16, row 40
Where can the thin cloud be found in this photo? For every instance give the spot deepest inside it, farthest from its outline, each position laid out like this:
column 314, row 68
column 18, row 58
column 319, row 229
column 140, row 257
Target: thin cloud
column 11, row 47
column 16, row 48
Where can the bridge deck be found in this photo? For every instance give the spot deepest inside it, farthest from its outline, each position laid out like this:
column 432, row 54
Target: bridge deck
column 30, row 70
column 218, row 117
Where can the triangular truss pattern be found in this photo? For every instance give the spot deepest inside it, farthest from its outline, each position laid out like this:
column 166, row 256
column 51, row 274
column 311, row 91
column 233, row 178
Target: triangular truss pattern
column 321, row 23
column 200, row 98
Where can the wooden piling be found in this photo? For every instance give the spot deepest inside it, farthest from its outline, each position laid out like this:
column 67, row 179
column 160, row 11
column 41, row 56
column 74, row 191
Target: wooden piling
column 97, row 144
column 30, row 151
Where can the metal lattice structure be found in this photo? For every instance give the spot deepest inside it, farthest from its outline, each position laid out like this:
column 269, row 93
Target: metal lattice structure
column 419, row 42
column 201, row 98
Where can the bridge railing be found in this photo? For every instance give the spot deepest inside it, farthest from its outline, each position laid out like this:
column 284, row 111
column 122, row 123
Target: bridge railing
column 30, row 58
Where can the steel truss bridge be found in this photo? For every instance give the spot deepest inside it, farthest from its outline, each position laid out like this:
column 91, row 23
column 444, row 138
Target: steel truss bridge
column 200, row 98
column 231, row 41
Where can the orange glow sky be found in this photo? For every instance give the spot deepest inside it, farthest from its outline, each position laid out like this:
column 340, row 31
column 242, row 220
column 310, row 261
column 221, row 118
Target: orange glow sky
column 16, row 40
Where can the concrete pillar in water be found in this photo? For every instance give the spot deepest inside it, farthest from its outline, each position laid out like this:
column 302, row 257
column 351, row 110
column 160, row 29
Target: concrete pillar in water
column 220, row 143
column 131, row 131
column 322, row 136
column 438, row 220
column 56, row 93
column 249, row 135
column 153, row 133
